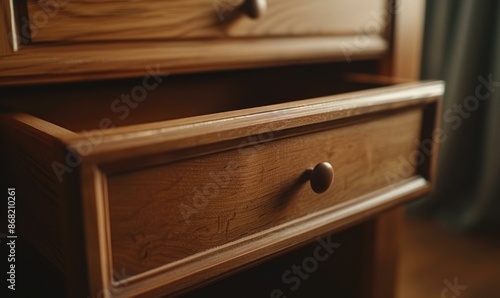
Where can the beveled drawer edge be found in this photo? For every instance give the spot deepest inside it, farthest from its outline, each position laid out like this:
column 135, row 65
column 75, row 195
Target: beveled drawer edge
column 178, row 275
column 9, row 42
column 154, row 138
column 32, row 124
column 46, row 63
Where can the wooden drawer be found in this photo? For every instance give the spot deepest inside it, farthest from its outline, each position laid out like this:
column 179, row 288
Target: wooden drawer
column 92, row 20
column 172, row 204
column 61, row 41
column 166, row 213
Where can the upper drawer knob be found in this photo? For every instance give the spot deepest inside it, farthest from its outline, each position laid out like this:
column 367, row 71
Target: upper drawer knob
column 322, row 176
column 255, row 8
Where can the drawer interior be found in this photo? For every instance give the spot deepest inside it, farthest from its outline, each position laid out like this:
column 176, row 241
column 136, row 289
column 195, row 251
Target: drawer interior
column 83, row 106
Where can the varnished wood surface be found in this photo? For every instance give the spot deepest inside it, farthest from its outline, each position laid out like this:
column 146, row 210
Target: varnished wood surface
column 123, row 39
column 202, row 268
column 180, row 134
column 384, row 250
column 107, row 62
column 32, row 169
column 46, row 63
column 234, row 194
column 402, row 62
column 8, row 40
column 91, row 20
column 51, row 212
column 136, row 147
column 179, row 279
column 472, row 259
column 409, row 22
column 81, row 106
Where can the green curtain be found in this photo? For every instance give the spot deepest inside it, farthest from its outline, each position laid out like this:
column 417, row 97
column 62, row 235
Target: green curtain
column 462, row 47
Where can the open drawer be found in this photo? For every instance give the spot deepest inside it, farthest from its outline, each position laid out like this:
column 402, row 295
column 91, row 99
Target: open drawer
column 177, row 197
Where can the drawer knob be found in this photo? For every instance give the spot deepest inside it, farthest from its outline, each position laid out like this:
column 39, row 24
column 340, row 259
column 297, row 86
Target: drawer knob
column 322, row 176
column 255, row 8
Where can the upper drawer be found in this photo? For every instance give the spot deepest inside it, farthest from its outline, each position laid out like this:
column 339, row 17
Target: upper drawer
column 88, row 40
column 88, row 20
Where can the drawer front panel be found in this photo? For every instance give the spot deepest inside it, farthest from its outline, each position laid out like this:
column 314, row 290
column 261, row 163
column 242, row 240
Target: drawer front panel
column 177, row 203
column 166, row 213
column 174, row 204
column 89, row 20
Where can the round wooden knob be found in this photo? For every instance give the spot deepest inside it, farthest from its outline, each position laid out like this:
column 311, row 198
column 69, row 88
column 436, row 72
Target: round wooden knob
column 255, row 8
column 322, row 177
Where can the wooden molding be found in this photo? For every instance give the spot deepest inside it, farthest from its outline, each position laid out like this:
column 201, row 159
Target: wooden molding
column 409, row 29
column 181, row 134
column 80, row 62
column 8, row 32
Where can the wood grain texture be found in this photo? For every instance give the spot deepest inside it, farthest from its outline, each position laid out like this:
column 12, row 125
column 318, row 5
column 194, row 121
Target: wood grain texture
column 32, row 164
column 122, row 38
column 50, row 212
column 8, row 36
column 179, row 135
column 163, row 145
column 385, row 231
column 141, row 153
column 79, row 62
column 207, row 93
column 166, row 213
column 202, row 268
column 408, row 39
column 91, row 20
column 184, row 272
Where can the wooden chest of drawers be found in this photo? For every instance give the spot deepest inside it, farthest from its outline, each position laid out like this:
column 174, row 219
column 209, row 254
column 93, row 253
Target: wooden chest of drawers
column 175, row 179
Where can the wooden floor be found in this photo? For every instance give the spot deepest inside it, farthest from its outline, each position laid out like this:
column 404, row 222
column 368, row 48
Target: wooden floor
column 430, row 256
